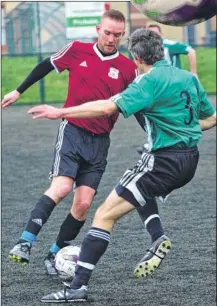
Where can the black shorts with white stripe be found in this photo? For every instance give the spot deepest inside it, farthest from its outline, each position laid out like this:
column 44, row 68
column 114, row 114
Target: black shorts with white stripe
column 157, row 174
column 80, row 154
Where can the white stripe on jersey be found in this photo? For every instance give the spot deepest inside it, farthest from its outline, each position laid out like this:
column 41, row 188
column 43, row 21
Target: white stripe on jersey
column 59, row 54
column 51, row 60
column 136, row 72
column 138, row 78
column 115, row 98
column 150, row 140
column 142, row 75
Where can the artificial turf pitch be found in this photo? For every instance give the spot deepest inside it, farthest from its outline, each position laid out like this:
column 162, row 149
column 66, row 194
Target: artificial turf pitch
column 187, row 277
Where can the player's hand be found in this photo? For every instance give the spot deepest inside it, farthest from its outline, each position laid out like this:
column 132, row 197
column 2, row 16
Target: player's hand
column 45, row 111
column 10, row 98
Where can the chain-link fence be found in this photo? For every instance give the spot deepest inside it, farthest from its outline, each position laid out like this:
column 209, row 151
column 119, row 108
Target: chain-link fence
column 35, row 27
column 35, row 30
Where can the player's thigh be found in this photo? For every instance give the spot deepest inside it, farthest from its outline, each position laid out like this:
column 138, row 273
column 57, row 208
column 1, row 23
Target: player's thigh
column 90, row 177
column 113, row 208
column 66, row 160
column 94, row 154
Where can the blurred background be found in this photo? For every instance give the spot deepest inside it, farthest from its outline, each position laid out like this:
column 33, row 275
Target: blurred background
column 32, row 31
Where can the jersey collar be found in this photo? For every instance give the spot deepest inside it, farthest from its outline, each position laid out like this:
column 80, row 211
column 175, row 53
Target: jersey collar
column 102, row 57
column 161, row 63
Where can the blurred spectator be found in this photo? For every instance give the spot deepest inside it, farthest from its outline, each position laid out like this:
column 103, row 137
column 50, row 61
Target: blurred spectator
column 173, row 49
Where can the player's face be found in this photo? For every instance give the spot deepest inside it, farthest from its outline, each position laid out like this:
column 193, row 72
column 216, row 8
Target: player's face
column 139, row 63
column 110, row 33
column 156, row 30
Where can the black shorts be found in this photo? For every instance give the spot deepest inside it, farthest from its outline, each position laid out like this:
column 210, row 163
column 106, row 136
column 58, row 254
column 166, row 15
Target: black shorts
column 157, row 174
column 80, row 154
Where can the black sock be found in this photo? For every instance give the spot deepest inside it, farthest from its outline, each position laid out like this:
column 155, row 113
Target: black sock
column 68, row 231
column 150, row 217
column 38, row 217
column 93, row 247
column 154, row 227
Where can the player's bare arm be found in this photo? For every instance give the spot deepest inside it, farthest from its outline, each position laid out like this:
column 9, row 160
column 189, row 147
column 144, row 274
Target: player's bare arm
column 192, row 61
column 88, row 110
column 208, row 123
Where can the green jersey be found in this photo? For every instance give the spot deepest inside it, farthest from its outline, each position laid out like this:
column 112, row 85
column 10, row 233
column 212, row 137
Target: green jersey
column 168, row 103
column 172, row 51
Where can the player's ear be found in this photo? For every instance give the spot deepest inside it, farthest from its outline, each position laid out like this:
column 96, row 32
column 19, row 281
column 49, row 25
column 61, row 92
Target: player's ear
column 137, row 60
column 97, row 28
column 140, row 61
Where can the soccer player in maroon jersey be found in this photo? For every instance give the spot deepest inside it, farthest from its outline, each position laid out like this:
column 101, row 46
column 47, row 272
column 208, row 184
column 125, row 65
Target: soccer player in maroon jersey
column 96, row 72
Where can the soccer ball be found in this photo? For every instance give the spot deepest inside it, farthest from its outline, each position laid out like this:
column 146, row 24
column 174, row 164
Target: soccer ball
column 65, row 262
column 177, row 12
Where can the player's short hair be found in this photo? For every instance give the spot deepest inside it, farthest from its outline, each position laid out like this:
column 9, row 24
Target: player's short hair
column 154, row 26
column 114, row 15
column 147, row 45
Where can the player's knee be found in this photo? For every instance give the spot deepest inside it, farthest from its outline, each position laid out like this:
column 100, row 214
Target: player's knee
column 61, row 191
column 80, row 209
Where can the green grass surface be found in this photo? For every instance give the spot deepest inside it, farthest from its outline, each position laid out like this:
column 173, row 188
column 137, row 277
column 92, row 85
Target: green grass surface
column 206, row 67
column 15, row 69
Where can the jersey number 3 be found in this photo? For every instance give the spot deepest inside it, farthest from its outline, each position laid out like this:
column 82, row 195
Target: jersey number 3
column 185, row 96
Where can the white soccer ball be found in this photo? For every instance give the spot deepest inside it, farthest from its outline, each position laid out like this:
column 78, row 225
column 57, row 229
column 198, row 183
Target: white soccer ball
column 177, row 12
column 65, row 262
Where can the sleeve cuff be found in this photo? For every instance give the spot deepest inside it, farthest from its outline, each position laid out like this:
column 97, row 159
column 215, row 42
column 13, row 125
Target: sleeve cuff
column 209, row 113
column 121, row 108
column 52, row 62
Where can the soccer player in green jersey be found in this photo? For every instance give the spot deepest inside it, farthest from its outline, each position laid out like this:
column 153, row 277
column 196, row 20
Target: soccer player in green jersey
column 172, row 107
column 173, row 49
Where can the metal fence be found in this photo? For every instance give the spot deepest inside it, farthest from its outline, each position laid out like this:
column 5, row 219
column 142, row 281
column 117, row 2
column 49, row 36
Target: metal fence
column 35, row 27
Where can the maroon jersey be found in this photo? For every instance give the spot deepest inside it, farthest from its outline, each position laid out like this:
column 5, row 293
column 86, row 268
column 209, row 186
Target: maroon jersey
column 93, row 76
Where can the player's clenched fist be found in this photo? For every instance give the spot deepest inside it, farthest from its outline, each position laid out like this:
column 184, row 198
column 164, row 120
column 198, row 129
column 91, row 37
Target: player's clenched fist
column 10, row 98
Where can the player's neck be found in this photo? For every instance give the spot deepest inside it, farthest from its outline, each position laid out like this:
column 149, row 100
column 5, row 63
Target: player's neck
column 105, row 54
column 143, row 68
column 146, row 68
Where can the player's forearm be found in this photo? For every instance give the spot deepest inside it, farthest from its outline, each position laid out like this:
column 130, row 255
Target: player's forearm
column 208, row 123
column 192, row 61
column 89, row 110
column 40, row 71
